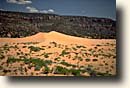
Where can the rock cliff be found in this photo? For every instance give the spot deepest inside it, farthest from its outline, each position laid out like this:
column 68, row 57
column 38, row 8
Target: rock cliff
column 19, row 24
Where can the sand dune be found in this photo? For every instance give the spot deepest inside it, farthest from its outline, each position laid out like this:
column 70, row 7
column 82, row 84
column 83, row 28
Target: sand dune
column 53, row 36
column 99, row 54
column 35, row 38
column 67, row 39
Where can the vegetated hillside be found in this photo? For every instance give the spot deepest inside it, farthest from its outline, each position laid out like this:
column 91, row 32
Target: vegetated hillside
column 18, row 24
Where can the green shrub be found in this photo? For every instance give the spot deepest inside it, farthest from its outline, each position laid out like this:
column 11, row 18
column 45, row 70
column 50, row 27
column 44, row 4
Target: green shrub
column 57, row 58
column 74, row 48
column 98, row 45
column 64, row 53
column 35, row 49
column 1, row 67
column 37, row 68
column 6, row 47
column 47, row 70
column 87, row 60
column 91, row 71
column 13, row 60
column 75, row 72
column 67, row 64
column 24, row 46
column 61, row 70
column 80, row 46
column 95, row 60
column 103, row 74
column 2, row 56
column 46, row 55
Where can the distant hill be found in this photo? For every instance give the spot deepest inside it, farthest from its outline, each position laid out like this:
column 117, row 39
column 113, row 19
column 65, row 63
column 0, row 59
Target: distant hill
column 19, row 24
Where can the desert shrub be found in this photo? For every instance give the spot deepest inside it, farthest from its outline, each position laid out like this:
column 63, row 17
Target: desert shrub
column 74, row 48
column 103, row 74
column 21, row 69
column 80, row 59
column 1, row 67
column 12, row 60
column 24, row 46
column 106, row 63
column 65, row 71
column 49, row 46
column 101, row 65
column 46, row 70
column 30, row 66
column 61, row 70
column 16, row 46
column 67, row 64
column 91, row 71
column 90, row 66
column 114, row 56
column 57, row 58
column 6, row 47
column 35, row 61
column 48, row 62
column 40, row 62
column 37, row 68
column 18, row 53
column 64, row 53
column 35, row 49
column 112, row 66
column 98, row 45
column 55, row 44
column 2, row 56
column 26, row 60
column 46, row 55
column 96, row 55
column 80, row 46
column 75, row 72
column 95, row 60
column 6, row 71
column 87, row 60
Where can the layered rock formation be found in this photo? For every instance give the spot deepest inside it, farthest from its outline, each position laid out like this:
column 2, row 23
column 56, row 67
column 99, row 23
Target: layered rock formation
column 18, row 24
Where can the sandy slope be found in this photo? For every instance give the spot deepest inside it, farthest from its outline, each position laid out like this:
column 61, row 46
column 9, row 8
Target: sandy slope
column 54, row 36
column 35, row 38
column 107, row 46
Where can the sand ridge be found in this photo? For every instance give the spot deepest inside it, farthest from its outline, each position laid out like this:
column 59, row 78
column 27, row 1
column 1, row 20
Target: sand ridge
column 53, row 36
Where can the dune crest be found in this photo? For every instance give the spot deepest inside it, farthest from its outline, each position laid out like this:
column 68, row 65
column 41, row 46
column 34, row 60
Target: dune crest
column 67, row 39
column 53, row 36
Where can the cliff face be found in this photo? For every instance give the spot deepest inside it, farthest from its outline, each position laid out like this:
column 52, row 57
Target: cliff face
column 16, row 24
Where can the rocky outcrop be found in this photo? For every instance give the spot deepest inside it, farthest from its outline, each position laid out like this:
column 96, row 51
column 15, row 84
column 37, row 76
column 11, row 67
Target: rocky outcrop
column 18, row 24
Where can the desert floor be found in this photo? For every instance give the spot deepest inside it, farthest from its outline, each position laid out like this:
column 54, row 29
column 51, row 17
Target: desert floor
column 56, row 54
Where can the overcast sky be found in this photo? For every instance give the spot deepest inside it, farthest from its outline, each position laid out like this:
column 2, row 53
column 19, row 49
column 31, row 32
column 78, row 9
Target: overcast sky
column 92, row 8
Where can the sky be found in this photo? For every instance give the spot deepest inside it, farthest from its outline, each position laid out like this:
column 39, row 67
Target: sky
column 91, row 8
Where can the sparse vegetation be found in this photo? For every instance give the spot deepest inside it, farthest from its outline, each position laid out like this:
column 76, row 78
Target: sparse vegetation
column 46, row 55
column 67, row 64
column 84, row 60
column 87, row 60
column 64, row 53
column 35, row 49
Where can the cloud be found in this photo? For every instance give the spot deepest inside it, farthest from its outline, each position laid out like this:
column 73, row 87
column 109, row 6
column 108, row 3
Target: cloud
column 2, row 9
column 32, row 9
column 51, row 11
column 43, row 11
column 47, row 11
column 19, row 1
column 35, row 10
